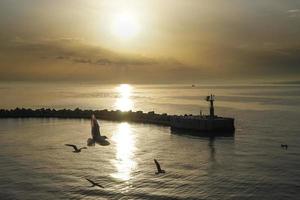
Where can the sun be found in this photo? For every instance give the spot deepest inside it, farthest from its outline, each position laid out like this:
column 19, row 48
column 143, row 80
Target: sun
column 125, row 25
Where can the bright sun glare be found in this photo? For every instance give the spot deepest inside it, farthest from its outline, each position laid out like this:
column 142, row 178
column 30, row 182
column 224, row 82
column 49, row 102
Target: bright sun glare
column 124, row 101
column 124, row 90
column 125, row 25
column 125, row 144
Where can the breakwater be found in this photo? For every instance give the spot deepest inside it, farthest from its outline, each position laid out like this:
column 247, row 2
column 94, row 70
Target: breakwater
column 112, row 115
column 211, row 124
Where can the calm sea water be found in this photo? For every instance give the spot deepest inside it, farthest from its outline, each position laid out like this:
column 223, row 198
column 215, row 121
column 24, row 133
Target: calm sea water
column 35, row 164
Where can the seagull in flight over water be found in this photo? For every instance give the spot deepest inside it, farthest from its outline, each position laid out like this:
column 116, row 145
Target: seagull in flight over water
column 76, row 150
column 93, row 183
column 159, row 170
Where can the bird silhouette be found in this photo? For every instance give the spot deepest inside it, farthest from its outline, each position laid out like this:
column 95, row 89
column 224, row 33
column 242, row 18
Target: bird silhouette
column 76, row 150
column 159, row 170
column 94, row 183
column 284, row 146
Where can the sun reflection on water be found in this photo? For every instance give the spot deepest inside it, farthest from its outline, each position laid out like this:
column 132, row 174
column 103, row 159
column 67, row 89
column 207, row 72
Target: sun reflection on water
column 125, row 146
column 124, row 101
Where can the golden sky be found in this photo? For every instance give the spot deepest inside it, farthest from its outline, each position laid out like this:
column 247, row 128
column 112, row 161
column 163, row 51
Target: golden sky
column 149, row 41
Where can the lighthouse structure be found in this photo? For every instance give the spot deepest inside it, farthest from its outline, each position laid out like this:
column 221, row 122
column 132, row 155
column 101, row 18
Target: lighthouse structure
column 209, row 125
column 211, row 99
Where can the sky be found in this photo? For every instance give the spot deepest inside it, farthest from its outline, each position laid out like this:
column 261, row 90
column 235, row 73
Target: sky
column 149, row 41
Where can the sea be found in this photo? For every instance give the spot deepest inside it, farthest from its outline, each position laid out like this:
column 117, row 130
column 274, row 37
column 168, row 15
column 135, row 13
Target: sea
column 36, row 164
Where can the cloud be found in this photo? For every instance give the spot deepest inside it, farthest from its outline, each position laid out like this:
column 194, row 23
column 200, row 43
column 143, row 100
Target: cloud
column 68, row 59
column 76, row 51
column 61, row 57
column 74, row 59
column 269, row 60
column 103, row 61
column 294, row 13
column 82, row 60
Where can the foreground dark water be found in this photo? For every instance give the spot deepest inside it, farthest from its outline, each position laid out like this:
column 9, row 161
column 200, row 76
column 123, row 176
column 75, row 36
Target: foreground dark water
column 35, row 164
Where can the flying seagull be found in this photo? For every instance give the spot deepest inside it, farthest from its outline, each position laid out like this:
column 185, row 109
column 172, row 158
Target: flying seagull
column 159, row 170
column 93, row 183
column 284, row 146
column 76, row 150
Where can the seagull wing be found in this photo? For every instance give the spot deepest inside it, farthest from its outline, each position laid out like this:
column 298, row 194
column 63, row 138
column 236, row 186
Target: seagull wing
column 82, row 148
column 157, row 165
column 92, row 182
column 72, row 145
column 99, row 185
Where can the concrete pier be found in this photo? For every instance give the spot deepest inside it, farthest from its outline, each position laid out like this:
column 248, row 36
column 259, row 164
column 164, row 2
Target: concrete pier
column 214, row 126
